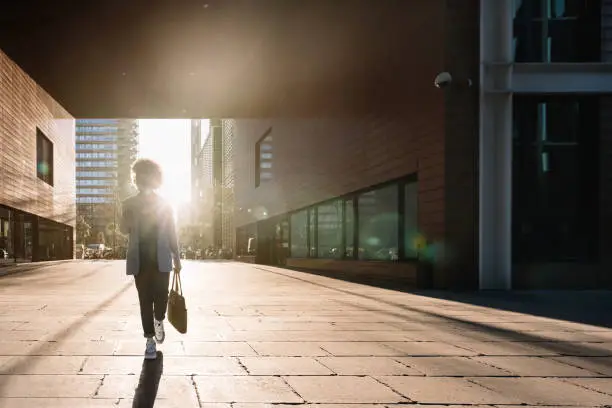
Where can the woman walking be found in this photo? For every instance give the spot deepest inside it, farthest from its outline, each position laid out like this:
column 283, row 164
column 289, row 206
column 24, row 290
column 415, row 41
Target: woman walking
column 152, row 249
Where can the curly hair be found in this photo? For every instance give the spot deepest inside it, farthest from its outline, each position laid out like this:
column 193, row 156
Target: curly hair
column 147, row 174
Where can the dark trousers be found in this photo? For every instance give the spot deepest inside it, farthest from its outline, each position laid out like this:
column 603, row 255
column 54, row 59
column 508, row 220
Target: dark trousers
column 152, row 287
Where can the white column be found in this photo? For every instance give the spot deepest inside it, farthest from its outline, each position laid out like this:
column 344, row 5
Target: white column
column 495, row 156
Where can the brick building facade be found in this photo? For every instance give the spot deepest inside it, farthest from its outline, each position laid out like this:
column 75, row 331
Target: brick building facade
column 37, row 170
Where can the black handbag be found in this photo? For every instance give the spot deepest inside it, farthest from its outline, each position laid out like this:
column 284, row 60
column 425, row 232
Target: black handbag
column 177, row 310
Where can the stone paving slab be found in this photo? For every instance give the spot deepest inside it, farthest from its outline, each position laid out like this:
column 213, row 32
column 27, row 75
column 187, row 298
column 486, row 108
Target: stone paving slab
column 217, row 349
column 599, row 365
column 268, row 337
column 343, row 389
column 251, row 389
column 451, row 366
column 440, row 390
column 288, row 349
column 535, row 367
column 367, row 366
column 280, row 366
column 545, row 391
column 49, row 386
column 60, row 403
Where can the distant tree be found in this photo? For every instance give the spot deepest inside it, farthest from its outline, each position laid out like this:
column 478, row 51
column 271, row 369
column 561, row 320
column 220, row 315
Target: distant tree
column 115, row 236
column 83, row 230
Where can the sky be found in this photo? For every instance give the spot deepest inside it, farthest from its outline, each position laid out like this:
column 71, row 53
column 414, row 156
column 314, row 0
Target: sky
column 167, row 141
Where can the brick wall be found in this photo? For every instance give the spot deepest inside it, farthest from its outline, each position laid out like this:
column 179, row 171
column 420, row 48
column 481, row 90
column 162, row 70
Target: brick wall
column 24, row 106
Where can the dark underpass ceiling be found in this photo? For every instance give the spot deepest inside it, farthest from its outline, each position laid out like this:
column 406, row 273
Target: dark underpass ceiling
column 226, row 58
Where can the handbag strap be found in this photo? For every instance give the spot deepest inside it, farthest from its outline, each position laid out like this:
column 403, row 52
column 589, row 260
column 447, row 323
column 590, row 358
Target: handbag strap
column 177, row 286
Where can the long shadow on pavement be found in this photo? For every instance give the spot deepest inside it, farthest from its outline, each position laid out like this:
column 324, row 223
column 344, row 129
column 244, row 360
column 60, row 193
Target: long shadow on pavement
column 61, row 336
column 587, row 307
column 470, row 329
column 148, row 384
column 43, row 275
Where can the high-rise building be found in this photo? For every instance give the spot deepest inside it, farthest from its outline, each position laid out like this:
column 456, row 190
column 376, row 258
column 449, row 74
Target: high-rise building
column 105, row 150
column 192, row 227
column 210, row 188
column 228, row 181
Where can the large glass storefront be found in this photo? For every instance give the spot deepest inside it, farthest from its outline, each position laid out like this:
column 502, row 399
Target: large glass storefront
column 25, row 237
column 380, row 223
column 374, row 224
column 556, row 181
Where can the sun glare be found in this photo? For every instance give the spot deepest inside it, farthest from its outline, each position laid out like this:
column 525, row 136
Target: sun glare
column 167, row 141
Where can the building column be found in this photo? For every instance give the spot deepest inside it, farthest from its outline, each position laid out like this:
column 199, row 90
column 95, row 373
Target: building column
column 495, row 155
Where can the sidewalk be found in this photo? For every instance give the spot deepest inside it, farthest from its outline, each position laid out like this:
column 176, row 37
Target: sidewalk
column 260, row 337
column 8, row 267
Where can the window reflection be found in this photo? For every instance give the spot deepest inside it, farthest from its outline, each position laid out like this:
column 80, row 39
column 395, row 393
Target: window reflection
column 312, row 232
column 557, row 30
column 411, row 232
column 556, row 180
column 329, row 230
column 299, row 234
column 349, row 225
column 378, row 224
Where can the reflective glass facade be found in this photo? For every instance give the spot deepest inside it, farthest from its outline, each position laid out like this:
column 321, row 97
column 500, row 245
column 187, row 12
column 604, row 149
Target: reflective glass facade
column 555, row 178
column 105, row 150
column 557, row 30
column 381, row 222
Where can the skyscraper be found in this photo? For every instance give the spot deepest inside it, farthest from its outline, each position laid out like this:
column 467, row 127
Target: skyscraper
column 105, row 149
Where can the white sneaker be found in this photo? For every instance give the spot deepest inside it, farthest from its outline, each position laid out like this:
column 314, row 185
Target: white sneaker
column 160, row 334
column 150, row 350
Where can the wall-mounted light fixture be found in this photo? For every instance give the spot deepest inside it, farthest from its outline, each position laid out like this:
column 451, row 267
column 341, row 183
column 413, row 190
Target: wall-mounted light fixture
column 445, row 80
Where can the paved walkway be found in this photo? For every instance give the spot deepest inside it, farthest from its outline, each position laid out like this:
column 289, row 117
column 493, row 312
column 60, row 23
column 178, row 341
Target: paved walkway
column 262, row 337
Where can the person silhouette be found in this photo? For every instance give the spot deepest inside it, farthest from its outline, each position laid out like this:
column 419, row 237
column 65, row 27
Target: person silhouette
column 153, row 250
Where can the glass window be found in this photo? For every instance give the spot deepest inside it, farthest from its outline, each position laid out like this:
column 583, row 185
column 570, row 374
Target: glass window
column 329, row 230
column 555, row 178
column 44, row 158
column 299, row 234
column 378, row 224
column 312, row 231
column 410, row 219
column 557, row 30
column 263, row 158
column 349, row 229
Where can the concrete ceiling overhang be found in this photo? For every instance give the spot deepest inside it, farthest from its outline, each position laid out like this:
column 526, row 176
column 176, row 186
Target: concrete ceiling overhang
column 227, row 58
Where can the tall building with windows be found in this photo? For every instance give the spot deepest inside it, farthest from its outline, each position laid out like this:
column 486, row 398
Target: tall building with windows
column 193, row 214
column 496, row 179
column 228, row 183
column 105, row 150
